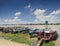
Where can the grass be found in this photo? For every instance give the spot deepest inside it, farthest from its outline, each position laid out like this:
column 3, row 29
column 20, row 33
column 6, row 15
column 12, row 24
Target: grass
column 50, row 43
column 19, row 37
column 21, row 40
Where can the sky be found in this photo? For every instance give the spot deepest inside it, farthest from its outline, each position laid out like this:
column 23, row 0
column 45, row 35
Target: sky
column 29, row 11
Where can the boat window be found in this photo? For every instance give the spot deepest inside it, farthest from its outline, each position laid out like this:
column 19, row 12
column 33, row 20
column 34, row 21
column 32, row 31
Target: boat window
column 47, row 34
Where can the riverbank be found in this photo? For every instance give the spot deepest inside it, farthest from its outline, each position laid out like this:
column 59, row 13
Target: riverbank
column 4, row 42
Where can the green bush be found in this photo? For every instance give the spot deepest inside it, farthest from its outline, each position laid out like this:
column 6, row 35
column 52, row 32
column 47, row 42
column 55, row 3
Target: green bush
column 50, row 43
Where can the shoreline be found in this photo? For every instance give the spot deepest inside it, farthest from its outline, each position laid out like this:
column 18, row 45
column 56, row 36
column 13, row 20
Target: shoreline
column 4, row 42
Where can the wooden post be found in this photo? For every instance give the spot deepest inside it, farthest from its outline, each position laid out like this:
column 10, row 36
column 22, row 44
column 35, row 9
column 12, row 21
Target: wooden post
column 46, row 23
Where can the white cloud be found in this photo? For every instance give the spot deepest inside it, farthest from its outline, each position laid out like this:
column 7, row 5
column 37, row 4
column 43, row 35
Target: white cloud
column 17, row 13
column 15, row 20
column 28, row 6
column 55, row 16
column 41, row 16
column 16, row 17
column 56, row 12
column 39, row 12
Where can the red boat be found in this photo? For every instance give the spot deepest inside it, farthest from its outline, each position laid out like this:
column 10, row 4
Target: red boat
column 47, row 35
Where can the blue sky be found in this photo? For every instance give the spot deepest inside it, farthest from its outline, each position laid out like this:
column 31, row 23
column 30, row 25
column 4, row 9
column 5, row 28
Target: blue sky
column 29, row 11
